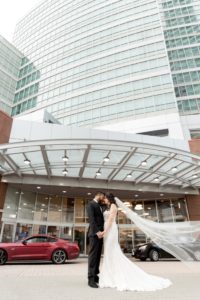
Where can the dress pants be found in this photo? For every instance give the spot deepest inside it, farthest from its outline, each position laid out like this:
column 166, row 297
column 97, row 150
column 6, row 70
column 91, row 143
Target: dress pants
column 94, row 256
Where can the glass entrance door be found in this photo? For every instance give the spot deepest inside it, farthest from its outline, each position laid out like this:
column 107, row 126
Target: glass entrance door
column 7, row 233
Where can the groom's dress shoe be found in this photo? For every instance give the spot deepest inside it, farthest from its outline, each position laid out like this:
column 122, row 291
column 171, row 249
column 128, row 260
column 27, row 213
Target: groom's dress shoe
column 96, row 279
column 92, row 284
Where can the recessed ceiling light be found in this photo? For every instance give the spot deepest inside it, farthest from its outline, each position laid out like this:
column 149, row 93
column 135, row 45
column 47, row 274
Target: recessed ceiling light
column 129, row 175
column 98, row 173
column 106, row 159
column 144, row 163
column 65, row 158
column 65, row 172
column 138, row 207
column 27, row 161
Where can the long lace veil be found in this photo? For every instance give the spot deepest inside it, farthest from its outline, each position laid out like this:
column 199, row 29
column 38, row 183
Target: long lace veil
column 181, row 239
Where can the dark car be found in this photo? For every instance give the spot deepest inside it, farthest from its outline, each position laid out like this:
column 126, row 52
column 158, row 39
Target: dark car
column 39, row 247
column 150, row 250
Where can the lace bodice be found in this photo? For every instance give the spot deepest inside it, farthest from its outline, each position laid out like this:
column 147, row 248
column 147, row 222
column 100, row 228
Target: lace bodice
column 106, row 215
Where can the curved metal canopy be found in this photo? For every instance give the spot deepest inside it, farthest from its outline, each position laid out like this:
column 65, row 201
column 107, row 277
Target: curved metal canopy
column 99, row 159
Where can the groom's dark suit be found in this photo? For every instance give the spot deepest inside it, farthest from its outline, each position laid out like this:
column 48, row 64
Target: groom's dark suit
column 96, row 224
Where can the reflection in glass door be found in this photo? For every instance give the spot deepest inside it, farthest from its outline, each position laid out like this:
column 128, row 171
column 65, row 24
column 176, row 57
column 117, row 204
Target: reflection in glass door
column 7, row 233
column 80, row 238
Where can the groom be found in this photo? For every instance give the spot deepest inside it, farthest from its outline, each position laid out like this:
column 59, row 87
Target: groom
column 95, row 234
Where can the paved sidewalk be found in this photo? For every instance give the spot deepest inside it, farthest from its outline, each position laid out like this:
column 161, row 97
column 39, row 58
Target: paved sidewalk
column 44, row 281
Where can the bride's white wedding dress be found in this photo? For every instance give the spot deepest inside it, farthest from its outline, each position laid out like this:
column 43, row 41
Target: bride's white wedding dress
column 117, row 270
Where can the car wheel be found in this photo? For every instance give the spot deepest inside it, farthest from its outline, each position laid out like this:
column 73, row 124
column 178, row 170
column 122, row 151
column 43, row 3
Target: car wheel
column 143, row 258
column 3, row 257
column 154, row 255
column 59, row 257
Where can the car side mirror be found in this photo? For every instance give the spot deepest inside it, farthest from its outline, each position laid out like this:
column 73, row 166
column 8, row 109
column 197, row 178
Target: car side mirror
column 24, row 242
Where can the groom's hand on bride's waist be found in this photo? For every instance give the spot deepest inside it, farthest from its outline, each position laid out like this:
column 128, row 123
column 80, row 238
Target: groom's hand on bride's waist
column 100, row 234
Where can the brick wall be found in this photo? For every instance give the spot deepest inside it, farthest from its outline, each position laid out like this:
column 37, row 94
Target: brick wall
column 193, row 202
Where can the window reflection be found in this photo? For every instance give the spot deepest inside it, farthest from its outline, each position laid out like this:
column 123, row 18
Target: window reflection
column 164, row 211
column 179, row 210
column 41, row 210
column 39, row 229
column 27, row 205
column 150, row 210
column 23, row 231
column 53, row 231
column 55, row 209
column 66, row 233
column 68, row 210
column 79, row 210
column 79, row 236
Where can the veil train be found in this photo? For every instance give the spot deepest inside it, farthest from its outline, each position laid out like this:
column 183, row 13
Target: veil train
column 181, row 239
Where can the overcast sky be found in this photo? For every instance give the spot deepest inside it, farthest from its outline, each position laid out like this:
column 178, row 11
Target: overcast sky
column 11, row 11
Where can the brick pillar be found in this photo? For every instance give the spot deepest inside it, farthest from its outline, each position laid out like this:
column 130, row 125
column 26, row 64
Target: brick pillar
column 5, row 129
column 193, row 201
column 193, row 204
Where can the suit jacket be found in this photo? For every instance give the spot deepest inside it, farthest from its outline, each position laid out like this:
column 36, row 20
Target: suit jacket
column 96, row 220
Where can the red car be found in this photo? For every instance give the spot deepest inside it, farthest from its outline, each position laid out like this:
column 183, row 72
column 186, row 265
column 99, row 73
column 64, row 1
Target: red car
column 39, row 247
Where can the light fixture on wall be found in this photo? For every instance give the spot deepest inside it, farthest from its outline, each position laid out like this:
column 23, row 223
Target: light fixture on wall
column 157, row 179
column 194, row 176
column 38, row 187
column 64, row 192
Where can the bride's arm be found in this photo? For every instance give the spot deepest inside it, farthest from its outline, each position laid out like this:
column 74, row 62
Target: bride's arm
column 111, row 218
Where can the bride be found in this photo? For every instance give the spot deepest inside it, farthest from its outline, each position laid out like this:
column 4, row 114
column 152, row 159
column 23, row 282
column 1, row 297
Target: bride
column 117, row 270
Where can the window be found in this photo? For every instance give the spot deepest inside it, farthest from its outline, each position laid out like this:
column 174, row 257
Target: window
column 38, row 239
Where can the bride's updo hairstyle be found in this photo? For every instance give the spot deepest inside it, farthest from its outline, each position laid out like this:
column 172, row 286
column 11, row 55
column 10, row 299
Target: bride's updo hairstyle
column 111, row 198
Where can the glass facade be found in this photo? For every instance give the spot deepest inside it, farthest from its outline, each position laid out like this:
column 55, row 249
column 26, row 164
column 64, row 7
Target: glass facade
column 27, row 213
column 93, row 61
column 10, row 59
column 181, row 22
